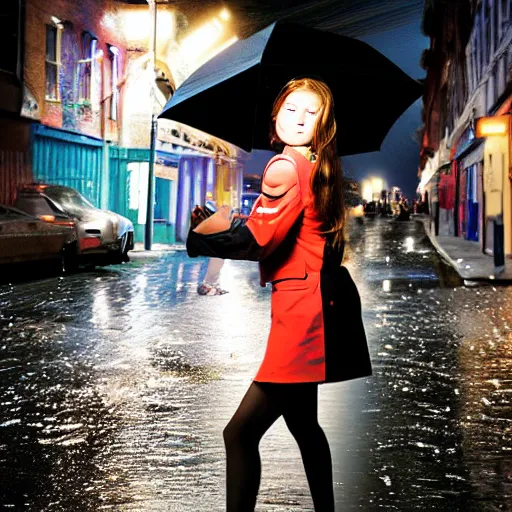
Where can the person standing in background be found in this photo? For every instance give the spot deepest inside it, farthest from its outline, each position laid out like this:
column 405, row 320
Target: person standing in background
column 210, row 283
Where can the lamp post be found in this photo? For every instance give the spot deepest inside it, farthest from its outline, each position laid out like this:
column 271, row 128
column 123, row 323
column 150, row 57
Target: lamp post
column 148, row 232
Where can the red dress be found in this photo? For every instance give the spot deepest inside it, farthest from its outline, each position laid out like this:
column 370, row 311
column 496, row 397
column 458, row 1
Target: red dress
column 316, row 333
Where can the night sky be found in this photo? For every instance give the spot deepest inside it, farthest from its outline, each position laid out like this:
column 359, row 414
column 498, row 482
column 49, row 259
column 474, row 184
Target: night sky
column 392, row 27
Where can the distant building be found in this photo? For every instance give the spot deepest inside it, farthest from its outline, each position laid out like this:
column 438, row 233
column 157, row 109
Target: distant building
column 372, row 189
column 465, row 179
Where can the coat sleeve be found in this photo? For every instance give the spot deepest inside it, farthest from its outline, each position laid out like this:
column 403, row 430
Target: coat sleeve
column 270, row 220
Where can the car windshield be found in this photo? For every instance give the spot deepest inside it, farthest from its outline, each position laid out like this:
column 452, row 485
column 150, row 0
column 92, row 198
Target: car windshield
column 70, row 200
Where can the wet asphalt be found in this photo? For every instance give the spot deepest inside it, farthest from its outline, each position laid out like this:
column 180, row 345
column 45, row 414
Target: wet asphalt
column 116, row 384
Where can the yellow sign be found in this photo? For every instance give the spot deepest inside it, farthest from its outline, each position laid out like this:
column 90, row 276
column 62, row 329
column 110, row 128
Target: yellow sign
column 493, row 125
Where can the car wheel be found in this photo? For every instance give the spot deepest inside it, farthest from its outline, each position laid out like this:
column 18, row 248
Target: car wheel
column 125, row 247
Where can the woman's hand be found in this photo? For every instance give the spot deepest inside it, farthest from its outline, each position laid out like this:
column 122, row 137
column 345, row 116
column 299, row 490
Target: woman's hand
column 198, row 215
column 206, row 224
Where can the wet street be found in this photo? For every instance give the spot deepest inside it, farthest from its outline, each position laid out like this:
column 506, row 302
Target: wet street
column 116, row 385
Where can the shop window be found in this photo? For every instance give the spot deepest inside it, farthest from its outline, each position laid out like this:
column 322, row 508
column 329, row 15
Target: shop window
column 114, row 79
column 138, row 190
column 86, row 66
column 53, row 44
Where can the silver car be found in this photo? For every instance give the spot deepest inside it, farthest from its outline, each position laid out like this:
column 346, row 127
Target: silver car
column 104, row 237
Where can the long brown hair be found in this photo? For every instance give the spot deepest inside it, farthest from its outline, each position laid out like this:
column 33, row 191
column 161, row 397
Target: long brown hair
column 326, row 179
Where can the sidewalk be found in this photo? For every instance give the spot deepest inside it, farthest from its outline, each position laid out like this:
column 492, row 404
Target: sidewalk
column 467, row 258
column 157, row 250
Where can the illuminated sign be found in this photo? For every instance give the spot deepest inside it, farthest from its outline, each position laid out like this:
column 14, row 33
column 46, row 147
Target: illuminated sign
column 493, row 125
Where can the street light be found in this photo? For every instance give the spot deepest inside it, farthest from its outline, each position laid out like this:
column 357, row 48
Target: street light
column 148, row 232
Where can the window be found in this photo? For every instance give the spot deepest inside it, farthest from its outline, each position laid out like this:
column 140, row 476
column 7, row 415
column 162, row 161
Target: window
column 114, row 78
column 505, row 16
column 508, row 66
column 86, row 66
column 53, row 37
column 478, row 47
column 469, row 67
column 9, row 34
column 487, row 42
column 474, row 70
column 496, row 25
column 501, row 81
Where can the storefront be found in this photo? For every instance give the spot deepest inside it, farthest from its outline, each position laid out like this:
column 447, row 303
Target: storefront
column 467, row 169
column 65, row 158
column 497, row 188
column 205, row 166
column 446, row 187
column 471, row 194
column 128, row 182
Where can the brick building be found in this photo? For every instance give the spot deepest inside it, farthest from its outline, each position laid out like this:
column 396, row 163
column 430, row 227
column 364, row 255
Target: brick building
column 80, row 83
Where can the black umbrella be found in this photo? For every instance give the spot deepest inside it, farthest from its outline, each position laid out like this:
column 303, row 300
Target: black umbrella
column 231, row 95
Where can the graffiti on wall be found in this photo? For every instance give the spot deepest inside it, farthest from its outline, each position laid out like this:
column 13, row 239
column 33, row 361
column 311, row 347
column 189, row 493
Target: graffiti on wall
column 73, row 112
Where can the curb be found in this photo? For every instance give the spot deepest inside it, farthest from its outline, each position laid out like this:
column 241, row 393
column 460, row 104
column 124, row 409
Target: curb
column 446, row 257
column 158, row 251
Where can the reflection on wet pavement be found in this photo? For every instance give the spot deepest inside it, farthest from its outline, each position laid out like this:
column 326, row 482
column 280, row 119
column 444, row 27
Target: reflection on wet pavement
column 116, row 385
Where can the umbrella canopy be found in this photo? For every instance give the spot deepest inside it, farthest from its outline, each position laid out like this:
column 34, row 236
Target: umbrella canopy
column 231, row 95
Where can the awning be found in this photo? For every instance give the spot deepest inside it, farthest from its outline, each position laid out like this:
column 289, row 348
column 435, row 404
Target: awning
column 475, row 156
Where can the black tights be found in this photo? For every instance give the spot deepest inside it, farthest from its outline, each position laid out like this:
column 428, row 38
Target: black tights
column 260, row 408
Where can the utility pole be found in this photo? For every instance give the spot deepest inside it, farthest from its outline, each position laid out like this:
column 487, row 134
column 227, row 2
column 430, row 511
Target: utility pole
column 148, row 238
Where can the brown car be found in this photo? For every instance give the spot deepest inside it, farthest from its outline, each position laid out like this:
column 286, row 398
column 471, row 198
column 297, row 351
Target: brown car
column 25, row 238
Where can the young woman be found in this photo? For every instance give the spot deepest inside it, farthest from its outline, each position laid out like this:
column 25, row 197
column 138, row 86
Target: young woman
column 295, row 231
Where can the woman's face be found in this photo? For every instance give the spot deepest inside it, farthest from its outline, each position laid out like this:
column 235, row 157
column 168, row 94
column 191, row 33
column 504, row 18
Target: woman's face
column 297, row 117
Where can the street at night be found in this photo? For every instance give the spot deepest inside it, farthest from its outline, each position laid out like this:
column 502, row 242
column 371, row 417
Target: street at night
column 116, row 384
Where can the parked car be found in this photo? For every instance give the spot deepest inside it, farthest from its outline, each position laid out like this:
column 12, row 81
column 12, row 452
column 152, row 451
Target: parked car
column 25, row 238
column 104, row 237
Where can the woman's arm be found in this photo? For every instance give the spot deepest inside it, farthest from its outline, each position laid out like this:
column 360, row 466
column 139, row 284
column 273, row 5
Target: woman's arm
column 274, row 213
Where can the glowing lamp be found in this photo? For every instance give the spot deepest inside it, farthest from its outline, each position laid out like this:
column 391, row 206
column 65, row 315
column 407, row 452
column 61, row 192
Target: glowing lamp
column 493, row 125
column 224, row 15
